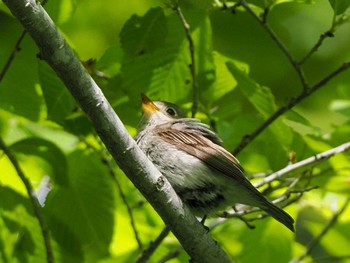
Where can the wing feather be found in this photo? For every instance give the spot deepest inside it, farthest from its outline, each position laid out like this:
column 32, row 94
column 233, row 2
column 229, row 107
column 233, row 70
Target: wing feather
column 204, row 149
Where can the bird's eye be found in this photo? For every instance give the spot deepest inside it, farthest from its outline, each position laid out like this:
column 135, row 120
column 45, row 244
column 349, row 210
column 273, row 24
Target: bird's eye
column 171, row 111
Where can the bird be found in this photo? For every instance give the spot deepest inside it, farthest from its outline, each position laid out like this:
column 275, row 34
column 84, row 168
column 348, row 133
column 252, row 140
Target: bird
column 207, row 177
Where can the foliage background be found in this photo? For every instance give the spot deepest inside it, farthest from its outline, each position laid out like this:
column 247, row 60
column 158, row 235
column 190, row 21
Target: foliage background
column 142, row 47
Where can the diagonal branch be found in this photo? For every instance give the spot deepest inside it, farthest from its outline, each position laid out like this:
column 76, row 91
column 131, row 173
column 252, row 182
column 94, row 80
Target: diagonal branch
column 294, row 101
column 9, row 61
column 146, row 254
column 139, row 169
column 108, row 163
column 33, row 199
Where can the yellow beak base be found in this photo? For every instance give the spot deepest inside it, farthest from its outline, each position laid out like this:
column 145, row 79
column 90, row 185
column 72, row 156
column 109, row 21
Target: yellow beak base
column 148, row 106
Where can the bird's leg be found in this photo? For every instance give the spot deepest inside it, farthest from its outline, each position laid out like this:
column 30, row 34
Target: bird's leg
column 203, row 221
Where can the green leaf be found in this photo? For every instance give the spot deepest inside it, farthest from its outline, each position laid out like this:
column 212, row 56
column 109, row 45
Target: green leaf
column 298, row 123
column 339, row 6
column 47, row 151
column 19, row 92
column 341, row 106
column 201, row 33
column 263, row 101
column 163, row 72
column 20, row 236
column 260, row 96
column 111, row 60
column 143, row 34
column 59, row 101
column 85, row 208
column 233, row 131
column 224, row 82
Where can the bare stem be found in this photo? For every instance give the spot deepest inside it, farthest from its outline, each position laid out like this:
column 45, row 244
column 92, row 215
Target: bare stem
column 15, row 50
column 34, row 200
column 322, row 37
column 107, row 161
column 186, row 26
column 172, row 254
column 146, row 254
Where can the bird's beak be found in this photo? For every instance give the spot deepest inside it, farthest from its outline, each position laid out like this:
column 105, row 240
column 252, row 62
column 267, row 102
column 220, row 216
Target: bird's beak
column 148, row 106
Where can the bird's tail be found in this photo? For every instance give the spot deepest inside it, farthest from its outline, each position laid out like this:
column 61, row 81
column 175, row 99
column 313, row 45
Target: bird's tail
column 278, row 214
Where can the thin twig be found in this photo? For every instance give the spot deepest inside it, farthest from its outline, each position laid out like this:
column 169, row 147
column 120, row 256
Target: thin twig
column 279, row 43
column 172, row 254
column 324, row 231
column 186, row 26
column 108, row 163
column 9, row 61
column 322, row 37
column 146, row 254
column 311, row 160
column 294, row 101
column 34, row 200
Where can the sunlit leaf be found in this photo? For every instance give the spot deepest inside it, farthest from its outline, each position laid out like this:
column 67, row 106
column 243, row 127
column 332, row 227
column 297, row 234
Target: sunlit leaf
column 143, row 34
column 224, row 82
column 85, row 208
column 47, row 151
column 341, row 106
column 164, row 73
column 20, row 236
column 201, row 34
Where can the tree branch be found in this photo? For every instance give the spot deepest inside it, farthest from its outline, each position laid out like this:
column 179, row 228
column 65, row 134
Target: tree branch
column 33, row 199
column 139, row 169
column 186, row 26
column 294, row 101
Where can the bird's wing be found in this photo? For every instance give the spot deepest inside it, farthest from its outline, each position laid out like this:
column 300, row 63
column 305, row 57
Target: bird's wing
column 204, row 149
